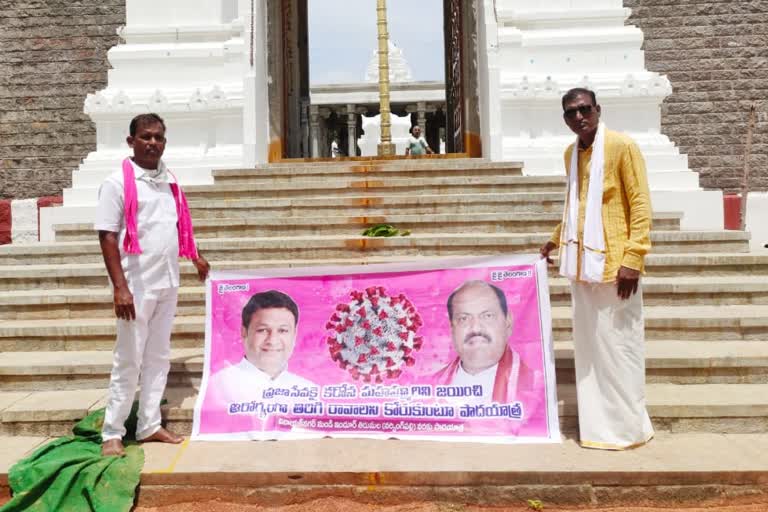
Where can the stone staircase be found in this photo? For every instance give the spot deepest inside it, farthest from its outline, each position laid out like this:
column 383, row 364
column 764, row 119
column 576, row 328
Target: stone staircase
column 706, row 296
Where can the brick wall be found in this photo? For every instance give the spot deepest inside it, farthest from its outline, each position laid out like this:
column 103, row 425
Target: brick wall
column 52, row 53
column 715, row 52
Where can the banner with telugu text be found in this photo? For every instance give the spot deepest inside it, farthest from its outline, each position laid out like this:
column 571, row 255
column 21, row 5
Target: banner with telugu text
column 457, row 350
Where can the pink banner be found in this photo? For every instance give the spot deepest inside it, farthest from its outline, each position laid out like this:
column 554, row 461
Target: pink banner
column 458, row 350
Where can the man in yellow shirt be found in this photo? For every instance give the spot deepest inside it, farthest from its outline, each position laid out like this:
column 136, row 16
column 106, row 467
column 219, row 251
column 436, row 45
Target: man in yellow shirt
column 603, row 239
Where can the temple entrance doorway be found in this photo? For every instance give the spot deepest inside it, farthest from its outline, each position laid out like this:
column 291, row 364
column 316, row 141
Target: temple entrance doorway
column 328, row 113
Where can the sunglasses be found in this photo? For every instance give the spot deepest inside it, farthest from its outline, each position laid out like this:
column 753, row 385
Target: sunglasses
column 584, row 110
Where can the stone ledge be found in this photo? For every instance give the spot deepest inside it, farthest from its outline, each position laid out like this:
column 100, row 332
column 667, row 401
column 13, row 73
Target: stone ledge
column 672, row 470
column 664, row 354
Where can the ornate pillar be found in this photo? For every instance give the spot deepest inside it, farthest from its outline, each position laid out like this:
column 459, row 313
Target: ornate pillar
column 351, row 130
column 421, row 109
column 323, row 135
column 314, row 130
column 305, row 144
column 386, row 148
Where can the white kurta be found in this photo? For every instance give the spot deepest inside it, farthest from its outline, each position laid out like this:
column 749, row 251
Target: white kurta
column 609, row 352
column 244, row 382
column 143, row 346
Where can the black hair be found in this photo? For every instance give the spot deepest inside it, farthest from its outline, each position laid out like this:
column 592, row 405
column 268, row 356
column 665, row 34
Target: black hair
column 144, row 119
column 498, row 291
column 571, row 95
column 267, row 300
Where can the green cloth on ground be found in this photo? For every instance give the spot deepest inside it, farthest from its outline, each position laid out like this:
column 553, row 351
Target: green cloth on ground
column 69, row 473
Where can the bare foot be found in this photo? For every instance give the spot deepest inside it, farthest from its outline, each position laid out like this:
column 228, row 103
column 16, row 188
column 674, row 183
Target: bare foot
column 112, row 448
column 163, row 436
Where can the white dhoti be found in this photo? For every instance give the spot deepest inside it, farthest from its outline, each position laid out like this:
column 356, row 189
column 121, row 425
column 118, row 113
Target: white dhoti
column 609, row 352
column 141, row 356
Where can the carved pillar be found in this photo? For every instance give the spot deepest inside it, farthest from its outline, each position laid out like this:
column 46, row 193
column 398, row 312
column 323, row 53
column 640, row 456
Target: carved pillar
column 314, row 129
column 305, row 144
column 323, row 135
column 421, row 109
column 351, row 130
column 386, row 148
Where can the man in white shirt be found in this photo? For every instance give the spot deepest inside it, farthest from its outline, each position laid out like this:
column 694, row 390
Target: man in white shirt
column 145, row 285
column 481, row 325
column 268, row 331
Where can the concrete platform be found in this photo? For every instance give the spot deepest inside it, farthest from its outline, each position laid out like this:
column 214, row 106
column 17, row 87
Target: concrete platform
column 672, row 470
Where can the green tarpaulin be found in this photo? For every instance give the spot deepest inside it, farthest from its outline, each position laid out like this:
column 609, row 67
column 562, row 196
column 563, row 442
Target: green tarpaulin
column 69, row 474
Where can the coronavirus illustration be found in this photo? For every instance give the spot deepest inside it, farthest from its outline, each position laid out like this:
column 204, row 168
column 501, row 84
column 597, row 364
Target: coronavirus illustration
column 374, row 334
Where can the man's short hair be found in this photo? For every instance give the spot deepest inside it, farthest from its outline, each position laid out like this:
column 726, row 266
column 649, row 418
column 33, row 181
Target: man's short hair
column 143, row 120
column 571, row 95
column 498, row 291
column 267, row 300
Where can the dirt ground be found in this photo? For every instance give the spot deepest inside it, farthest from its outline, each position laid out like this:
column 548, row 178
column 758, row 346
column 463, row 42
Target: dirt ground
column 343, row 505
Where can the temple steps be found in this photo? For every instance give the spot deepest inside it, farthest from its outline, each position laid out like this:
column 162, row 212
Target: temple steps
column 381, row 186
column 351, row 226
column 704, row 323
column 415, row 168
column 47, row 276
column 340, row 246
column 96, row 302
column 364, row 204
column 667, row 362
column 713, row 408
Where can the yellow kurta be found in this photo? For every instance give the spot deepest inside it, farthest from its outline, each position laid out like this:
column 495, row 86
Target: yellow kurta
column 626, row 204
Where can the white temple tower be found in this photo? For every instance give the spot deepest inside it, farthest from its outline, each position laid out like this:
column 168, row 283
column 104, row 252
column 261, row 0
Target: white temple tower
column 203, row 66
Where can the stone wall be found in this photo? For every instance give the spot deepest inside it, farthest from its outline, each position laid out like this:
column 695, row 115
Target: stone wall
column 715, row 53
column 53, row 53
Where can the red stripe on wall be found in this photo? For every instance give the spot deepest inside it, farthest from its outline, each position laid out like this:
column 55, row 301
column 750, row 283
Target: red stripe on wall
column 5, row 221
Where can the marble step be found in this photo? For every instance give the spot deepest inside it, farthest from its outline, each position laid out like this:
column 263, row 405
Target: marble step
column 93, row 275
column 84, row 302
column 679, row 470
column 351, row 226
column 368, row 203
column 413, row 169
column 692, row 323
column 709, row 408
column 380, row 186
column 667, row 362
column 340, row 246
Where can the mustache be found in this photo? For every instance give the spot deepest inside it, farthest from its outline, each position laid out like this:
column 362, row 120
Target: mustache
column 474, row 334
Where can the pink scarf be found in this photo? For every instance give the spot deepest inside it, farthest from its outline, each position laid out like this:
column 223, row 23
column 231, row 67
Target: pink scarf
column 187, row 247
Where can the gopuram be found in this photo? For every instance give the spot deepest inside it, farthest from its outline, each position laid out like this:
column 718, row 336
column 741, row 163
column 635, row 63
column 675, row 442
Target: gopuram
column 235, row 81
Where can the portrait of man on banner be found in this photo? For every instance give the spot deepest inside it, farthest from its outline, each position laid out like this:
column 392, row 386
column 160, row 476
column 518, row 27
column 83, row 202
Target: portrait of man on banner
column 269, row 326
column 481, row 326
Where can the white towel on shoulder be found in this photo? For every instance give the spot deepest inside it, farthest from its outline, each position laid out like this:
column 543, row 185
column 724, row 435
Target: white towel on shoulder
column 593, row 245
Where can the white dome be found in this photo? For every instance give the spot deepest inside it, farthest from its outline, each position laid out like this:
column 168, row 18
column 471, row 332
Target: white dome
column 399, row 69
